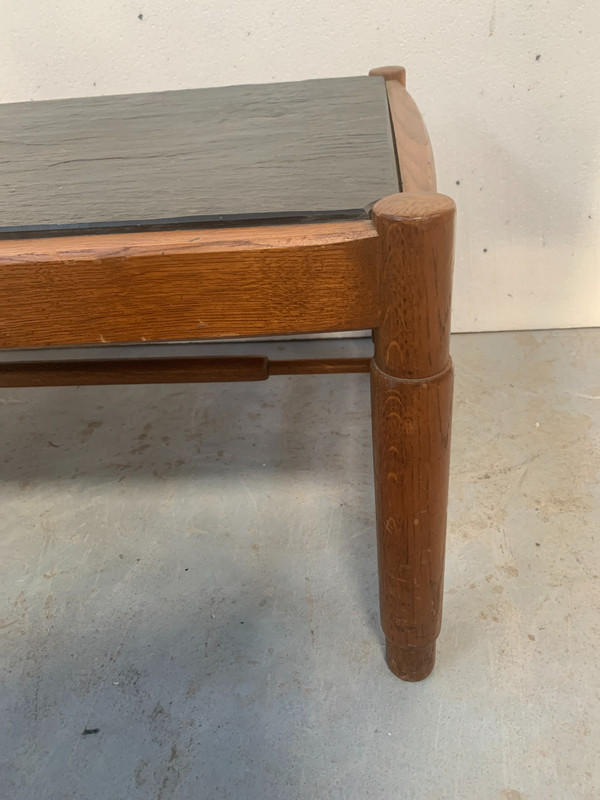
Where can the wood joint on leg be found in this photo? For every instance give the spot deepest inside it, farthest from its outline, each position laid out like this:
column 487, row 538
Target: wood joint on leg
column 411, row 391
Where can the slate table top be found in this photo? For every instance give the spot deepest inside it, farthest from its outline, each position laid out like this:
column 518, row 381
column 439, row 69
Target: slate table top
column 284, row 152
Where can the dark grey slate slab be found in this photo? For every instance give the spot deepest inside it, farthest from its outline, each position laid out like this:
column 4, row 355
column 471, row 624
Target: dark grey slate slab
column 311, row 150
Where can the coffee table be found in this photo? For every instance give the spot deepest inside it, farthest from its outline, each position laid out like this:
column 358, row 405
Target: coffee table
column 249, row 211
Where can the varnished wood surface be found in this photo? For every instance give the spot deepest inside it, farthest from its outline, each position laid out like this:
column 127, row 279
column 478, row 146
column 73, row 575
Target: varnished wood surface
column 319, row 149
column 411, row 442
column 132, row 371
column 150, row 245
column 411, row 385
column 416, row 241
column 208, row 369
column 188, row 286
column 413, row 147
column 319, row 366
column 390, row 74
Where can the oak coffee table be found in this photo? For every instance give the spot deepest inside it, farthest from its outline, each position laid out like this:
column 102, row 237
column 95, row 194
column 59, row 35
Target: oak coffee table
column 249, row 211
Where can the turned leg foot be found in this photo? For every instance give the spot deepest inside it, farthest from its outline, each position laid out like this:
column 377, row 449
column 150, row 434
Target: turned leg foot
column 410, row 663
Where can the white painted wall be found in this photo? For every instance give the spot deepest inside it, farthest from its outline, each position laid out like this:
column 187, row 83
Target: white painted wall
column 510, row 91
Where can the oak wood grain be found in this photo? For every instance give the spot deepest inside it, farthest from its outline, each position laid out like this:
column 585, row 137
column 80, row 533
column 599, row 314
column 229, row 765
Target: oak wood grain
column 411, row 443
column 132, row 371
column 413, row 147
column 415, row 154
column 411, row 385
column 416, row 256
column 318, row 366
column 192, row 285
column 203, row 369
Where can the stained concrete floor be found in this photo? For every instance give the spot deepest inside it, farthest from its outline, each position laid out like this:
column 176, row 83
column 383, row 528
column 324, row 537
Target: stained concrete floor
column 190, row 571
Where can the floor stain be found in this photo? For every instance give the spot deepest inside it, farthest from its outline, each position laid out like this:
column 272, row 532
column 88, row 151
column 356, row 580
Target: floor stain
column 49, row 609
column 90, row 428
column 171, row 779
column 311, row 609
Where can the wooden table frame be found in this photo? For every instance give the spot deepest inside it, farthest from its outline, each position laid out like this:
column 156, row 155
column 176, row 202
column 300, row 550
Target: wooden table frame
column 392, row 274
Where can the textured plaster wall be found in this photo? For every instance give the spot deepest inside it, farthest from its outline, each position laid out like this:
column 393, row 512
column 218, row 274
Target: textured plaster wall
column 510, row 91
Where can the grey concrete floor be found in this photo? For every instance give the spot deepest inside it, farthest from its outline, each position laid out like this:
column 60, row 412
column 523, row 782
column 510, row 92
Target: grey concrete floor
column 191, row 571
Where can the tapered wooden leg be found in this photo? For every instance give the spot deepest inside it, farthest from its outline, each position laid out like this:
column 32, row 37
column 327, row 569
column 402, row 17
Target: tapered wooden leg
column 411, row 438
column 411, row 383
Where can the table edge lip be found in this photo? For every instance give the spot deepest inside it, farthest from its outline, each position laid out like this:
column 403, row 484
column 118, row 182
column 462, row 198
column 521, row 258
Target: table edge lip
column 173, row 243
column 193, row 222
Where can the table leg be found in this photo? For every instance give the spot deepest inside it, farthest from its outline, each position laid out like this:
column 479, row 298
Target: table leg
column 411, row 382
